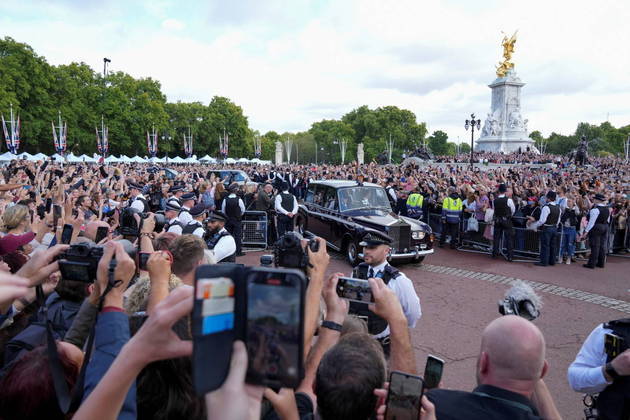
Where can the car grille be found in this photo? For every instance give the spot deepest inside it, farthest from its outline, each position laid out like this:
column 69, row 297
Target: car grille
column 401, row 234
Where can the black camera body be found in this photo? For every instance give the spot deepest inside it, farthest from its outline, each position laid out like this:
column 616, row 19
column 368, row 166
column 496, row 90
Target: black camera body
column 288, row 251
column 80, row 261
column 130, row 227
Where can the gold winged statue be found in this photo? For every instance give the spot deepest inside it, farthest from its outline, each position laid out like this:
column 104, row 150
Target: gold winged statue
column 508, row 49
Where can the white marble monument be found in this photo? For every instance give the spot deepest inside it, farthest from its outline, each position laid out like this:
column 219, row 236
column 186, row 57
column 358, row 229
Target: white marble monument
column 360, row 154
column 278, row 153
column 504, row 129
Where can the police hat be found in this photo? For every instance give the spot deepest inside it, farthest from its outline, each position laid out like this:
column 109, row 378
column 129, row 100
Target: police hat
column 134, row 186
column 216, row 216
column 172, row 205
column 233, row 187
column 599, row 197
column 502, row 188
column 374, row 239
column 188, row 196
column 176, row 188
column 551, row 195
column 390, row 180
column 197, row 210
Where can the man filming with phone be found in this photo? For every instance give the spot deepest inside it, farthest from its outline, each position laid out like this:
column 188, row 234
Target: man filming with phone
column 375, row 265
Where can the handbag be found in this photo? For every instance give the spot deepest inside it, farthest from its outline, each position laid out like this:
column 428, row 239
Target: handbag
column 488, row 216
column 473, row 225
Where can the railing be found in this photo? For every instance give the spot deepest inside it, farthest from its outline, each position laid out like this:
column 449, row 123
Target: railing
column 255, row 226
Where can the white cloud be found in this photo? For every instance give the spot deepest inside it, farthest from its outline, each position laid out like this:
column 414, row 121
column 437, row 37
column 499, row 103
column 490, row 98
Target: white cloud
column 291, row 64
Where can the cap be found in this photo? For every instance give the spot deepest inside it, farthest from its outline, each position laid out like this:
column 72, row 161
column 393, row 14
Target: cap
column 188, row 196
column 390, row 180
column 599, row 197
column 233, row 187
column 10, row 243
column 502, row 188
column 133, row 185
column 217, row 216
column 176, row 188
column 551, row 195
column 172, row 205
column 198, row 209
column 375, row 239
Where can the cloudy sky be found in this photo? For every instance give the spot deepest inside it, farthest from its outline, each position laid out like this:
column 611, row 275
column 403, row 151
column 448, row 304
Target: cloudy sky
column 291, row 63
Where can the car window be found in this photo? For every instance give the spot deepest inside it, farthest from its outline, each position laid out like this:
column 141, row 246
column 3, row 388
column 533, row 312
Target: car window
column 330, row 198
column 310, row 194
column 362, row 197
column 318, row 197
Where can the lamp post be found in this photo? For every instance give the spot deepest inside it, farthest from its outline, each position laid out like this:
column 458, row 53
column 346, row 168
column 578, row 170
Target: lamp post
column 105, row 61
column 472, row 123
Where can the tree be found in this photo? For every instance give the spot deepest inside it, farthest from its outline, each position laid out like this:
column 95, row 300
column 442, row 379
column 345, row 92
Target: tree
column 438, row 143
column 327, row 134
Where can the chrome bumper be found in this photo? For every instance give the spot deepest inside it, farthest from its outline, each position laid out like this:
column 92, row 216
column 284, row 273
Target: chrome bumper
column 412, row 254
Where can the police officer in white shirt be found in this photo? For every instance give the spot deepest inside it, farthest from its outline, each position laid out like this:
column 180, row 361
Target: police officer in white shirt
column 234, row 208
column 196, row 226
column 286, row 206
column 597, row 231
column 171, row 212
column 137, row 201
column 549, row 221
column 604, row 368
column 375, row 250
column 221, row 242
column 188, row 201
column 176, row 192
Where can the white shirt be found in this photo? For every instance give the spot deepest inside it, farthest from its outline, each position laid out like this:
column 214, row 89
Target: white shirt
column 280, row 209
column 392, row 193
column 176, row 229
column 543, row 216
column 585, row 373
column 137, row 204
column 184, row 216
column 225, row 247
column 510, row 204
column 199, row 231
column 409, row 300
column 593, row 215
column 240, row 203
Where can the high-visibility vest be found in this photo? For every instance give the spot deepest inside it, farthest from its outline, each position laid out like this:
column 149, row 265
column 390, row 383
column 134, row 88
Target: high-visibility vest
column 415, row 200
column 450, row 204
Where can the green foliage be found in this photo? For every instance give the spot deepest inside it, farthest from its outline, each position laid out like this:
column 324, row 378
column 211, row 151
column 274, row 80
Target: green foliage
column 603, row 140
column 438, row 143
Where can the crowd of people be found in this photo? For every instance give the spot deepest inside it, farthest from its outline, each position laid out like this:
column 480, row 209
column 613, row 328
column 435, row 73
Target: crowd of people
column 98, row 275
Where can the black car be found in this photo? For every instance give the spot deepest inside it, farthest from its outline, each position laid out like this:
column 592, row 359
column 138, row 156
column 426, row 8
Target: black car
column 229, row 176
column 343, row 212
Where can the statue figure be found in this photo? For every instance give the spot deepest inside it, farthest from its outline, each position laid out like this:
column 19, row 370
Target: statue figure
column 485, row 130
column 422, row 152
column 508, row 49
column 580, row 155
column 516, row 121
column 381, row 158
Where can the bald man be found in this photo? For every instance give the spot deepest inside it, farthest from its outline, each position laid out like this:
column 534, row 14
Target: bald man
column 510, row 368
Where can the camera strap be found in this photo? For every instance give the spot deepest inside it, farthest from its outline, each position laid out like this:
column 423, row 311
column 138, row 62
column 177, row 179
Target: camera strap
column 69, row 401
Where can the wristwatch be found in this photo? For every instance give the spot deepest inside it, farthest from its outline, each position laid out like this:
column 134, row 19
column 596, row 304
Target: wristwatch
column 610, row 371
column 332, row 325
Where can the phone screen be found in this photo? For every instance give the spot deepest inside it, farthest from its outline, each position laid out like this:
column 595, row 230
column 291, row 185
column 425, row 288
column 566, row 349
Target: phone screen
column 66, row 234
column 274, row 330
column 433, row 372
column 143, row 257
column 403, row 397
column 613, row 345
column 56, row 215
column 101, row 233
column 355, row 290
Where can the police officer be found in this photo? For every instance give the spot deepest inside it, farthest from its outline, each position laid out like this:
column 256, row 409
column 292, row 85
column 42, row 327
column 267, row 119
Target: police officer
column 221, row 242
column 286, row 207
column 176, row 192
column 503, row 211
column 196, row 226
column 137, row 200
column 234, row 208
column 171, row 212
column 597, row 231
column 549, row 220
column 375, row 251
column 188, row 201
column 452, row 208
column 598, row 370
column 414, row 204
column 391, row 192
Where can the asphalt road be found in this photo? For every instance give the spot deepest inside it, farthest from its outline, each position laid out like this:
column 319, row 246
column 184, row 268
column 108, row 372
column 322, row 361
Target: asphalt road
column 459, row 292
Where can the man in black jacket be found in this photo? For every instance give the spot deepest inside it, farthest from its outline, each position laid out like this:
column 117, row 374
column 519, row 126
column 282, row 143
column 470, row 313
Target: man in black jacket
column 234, row 208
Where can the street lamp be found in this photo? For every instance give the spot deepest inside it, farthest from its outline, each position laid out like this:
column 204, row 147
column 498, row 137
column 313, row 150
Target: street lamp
column 105, row 61
column 472, row 123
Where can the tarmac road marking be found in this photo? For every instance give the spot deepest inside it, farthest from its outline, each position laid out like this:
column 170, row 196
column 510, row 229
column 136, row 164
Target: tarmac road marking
column 580, row 295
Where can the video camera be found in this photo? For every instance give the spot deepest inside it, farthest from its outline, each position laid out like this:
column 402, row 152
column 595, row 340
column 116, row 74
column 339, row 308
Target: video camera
column 80, row 261
column 521, row 300
column 288, row 251
column 130, row 227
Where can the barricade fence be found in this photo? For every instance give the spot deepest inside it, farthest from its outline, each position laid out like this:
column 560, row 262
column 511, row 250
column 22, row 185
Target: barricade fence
column 254, row 228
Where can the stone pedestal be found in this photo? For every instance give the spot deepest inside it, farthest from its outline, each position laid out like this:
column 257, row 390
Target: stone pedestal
column 504, row 129
column 278, row 153
column 360, row 154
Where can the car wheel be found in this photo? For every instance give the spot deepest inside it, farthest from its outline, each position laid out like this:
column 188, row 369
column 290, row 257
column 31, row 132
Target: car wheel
column 352, row 253
column 418, row 260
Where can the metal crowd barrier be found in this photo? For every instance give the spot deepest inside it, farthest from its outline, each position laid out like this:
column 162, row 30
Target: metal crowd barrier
column 619, row 240
column 255, row 226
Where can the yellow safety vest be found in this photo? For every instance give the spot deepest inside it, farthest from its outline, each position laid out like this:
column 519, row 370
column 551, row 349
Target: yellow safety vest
column 415, row 200
column 452, row 205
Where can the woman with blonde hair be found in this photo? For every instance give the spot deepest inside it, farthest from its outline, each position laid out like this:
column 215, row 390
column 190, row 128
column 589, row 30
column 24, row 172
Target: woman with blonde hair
column 16, row 220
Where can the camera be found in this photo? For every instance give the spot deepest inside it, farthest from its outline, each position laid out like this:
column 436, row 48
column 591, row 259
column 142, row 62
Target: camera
column 80, row 261
column 288, row 251
column 521, row 300
column 130, row 227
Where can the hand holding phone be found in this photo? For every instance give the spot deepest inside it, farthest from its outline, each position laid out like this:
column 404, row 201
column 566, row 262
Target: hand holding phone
column 404, row 396
column 433, row 372
column 354, row 290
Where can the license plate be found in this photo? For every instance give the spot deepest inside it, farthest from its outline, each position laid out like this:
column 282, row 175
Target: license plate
column 423, row 246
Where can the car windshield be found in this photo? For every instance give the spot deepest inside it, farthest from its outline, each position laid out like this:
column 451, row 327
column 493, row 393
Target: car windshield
column 232, row 176
column 362, row 198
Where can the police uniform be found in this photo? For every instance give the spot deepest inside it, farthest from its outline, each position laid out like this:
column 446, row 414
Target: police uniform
column 452, row 208
column 173, row 225
column 549, row 220
column 503, row 210
column 391, row 193
column 195, row 227
column 395, row 280
column 184, row 214
column 139, row 202
column 234, row 208
column 414, row 205
column 285, row 203
column 173, row 199
column 222, row 243
column 597, row 229
column 586, row 376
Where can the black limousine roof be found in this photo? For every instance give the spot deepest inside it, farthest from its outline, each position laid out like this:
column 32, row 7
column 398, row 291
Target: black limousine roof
column 340, row 183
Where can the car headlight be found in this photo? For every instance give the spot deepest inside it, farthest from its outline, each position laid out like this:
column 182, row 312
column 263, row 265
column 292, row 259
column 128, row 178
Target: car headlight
column 418, row 234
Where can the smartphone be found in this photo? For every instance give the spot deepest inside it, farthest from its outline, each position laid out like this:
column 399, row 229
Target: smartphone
column 143, row 257
column 403, row 397
column 275, row 327
column 101, row 233
column 433, row 372
column 613, row 345
column 66, row 234
column 354, row 290
column 56, row 215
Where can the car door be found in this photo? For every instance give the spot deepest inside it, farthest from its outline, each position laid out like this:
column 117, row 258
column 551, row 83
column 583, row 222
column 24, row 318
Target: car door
column 314, row 202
